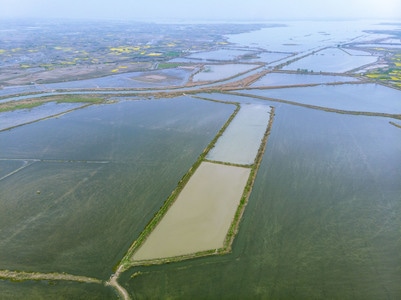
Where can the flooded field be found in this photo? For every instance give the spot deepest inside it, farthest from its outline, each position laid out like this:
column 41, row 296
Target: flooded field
column 282, row 79
column 219, row 72
column 21, row 89
column 97, row 177
column 351, row 97
column 23, row 116
column 390, row 41
column 295, row 37
column 241, row 140
column 235, row 55
column 332, row 60
column 322, row 222
column 7, row 167
column 201, row 216
column 380, row 46
column 269, row 57
column 151, row 79
column 220, row 55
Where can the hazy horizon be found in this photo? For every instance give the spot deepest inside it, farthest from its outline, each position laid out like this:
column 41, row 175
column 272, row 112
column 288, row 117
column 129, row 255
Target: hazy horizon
column 223, row 10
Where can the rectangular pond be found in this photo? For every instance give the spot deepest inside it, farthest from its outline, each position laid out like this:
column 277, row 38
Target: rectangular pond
column 331, row 60
column 283, row 79
column 22, row 116
column 150, row 79
column 220, row 55
column 241, row 140
column 268, row 57
column 381, row 46
column 352, row 97
column 220, row 72
column 200, row 217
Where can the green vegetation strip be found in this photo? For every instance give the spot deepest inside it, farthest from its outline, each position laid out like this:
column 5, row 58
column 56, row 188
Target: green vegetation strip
column 15, row 105
column 126, row 260
column 24, row 276
column 47, row 117
column 161, row 66
column 248, row 188
column 395, row 124
column 34, row 102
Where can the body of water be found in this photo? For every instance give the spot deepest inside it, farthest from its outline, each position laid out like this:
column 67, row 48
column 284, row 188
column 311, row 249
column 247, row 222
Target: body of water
column 322, row 221
column 96, row 177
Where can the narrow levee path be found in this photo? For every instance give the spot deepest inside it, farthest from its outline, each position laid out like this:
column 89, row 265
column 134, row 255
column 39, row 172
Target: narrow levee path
column 26, row 163
column 114, row 283
column 16, row 275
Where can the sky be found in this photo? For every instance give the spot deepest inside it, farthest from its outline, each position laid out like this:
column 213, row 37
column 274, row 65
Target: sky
column 193, row 10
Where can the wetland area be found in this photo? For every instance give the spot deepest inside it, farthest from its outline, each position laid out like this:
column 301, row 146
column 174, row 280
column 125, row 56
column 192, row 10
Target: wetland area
column 212, row 161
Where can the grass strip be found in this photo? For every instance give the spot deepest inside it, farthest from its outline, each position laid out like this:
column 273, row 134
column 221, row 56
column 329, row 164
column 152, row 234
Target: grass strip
column 24, row 276
column 395, row 124
column 35, row 102
column 233, row 230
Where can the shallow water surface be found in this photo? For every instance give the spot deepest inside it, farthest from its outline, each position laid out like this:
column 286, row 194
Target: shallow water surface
column 200, row 217
column 98, row 175
column 23, row 116
column 300, row 36
column 220, row 55
column 219, row 72
column 352, row 97
column 322, row 221
column 331, row 60
column 241, row 140
column 282, row 79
